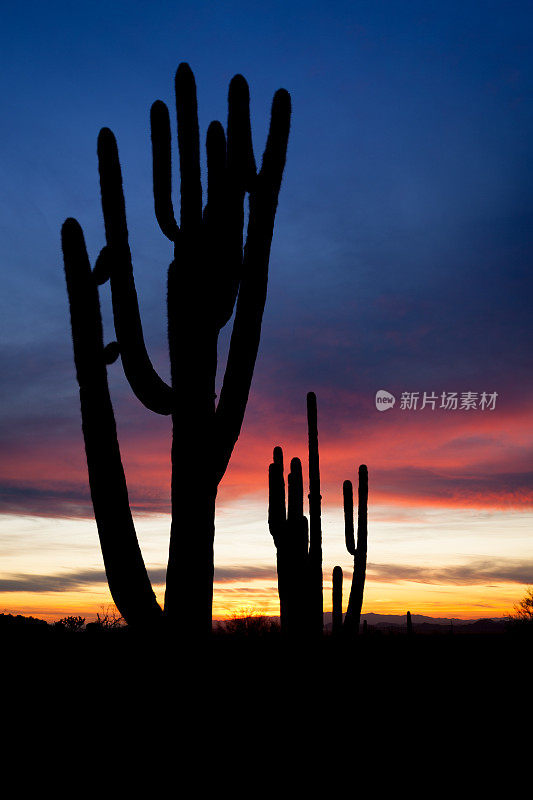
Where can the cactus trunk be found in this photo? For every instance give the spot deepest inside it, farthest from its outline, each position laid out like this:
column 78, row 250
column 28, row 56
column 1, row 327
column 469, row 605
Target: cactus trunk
column 190, row 569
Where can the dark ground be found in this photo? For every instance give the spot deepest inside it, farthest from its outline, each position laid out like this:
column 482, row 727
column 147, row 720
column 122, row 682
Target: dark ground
column 242, row 708
column 112, row 663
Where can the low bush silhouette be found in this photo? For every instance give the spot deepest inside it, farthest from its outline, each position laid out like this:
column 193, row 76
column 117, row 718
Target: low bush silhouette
column 12, row 622
column 249, row 625
column 108, row 620
column 69, row 624
column 523, row 612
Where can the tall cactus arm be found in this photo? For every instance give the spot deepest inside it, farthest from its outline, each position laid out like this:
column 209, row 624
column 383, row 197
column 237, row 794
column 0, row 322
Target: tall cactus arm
column 146, row 384
column 223, row 254
column 162, row 170
column 241, row 161
column 315, row 518
column 295, row 508
column 126, row 573
column 189, row 150
column 246, row 332
column 347, row 494
column 315, row 498
column 295, row 515
column 276, row 497
column 215, row 208
column 241, row 174
column 362, row 511
column 277, row 523
column 296, row 548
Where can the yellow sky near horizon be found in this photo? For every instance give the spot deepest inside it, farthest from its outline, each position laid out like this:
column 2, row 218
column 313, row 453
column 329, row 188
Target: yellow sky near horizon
column 462, row 563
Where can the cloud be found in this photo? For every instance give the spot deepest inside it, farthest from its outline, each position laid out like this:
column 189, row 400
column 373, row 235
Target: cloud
column 457, row 459
column 467, row 488
column 244, row 573
column 474, row 572
column 70, row 501
column 63, row 582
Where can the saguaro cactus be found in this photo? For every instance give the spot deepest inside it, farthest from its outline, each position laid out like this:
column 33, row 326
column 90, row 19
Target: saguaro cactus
column 210, row 275
column 337, row 601
column 299, row 556
column 409, row 624
column 353, row 612
column 289, row 530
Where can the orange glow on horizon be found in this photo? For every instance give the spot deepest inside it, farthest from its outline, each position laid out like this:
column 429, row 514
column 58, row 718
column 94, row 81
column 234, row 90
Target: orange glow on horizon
column 416, row 461
column 256, row 597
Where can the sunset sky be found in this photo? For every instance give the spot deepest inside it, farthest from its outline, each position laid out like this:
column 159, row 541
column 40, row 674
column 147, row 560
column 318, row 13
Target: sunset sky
column 401, row 261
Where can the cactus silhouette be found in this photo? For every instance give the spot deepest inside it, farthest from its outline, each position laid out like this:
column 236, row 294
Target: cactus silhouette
column 353, row 613
column 211, row 275
column 316, row 602
column 298, row 544
column 337, row 601
column 409, row 624
column 289, row 530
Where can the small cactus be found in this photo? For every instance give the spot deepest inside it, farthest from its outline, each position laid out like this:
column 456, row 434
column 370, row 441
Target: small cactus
column 298, row 543
column 289, row 531
column 353, row 612
column 337, row 601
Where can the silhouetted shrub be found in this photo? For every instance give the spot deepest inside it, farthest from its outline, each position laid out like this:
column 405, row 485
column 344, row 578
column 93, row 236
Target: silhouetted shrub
column 10, row 622
column 69, row 624
column 108, row 620
column 250, row 625
column 523, row 612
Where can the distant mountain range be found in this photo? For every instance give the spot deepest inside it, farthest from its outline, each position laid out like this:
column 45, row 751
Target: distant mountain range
column 428, row 624
column 385, row 621
column 419, row 619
